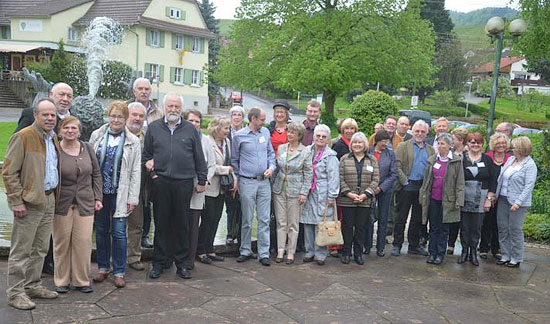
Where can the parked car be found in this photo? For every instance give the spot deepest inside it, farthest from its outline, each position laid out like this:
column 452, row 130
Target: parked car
column 236, row 98
column 525, row 131
column 414, row 115
column 462, row 124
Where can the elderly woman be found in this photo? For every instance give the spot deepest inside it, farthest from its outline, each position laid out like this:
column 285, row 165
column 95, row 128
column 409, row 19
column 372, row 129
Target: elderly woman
column 323, row 192
column 442, row 206
column 80, row 195
column 480, row 185
column 515, row 187
column 278, row 128
column 387, row 168
column 358, row 183
column 290, row 189
column 499, row 144
column 119, row 154
column 215, row 192
column 347, row 129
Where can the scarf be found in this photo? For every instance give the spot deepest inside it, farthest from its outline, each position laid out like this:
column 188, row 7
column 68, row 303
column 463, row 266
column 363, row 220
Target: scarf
column 118, row 154
column 315, row 161
column 346, row 141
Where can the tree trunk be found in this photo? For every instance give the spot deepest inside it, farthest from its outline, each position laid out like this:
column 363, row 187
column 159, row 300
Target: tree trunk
column 329, row 99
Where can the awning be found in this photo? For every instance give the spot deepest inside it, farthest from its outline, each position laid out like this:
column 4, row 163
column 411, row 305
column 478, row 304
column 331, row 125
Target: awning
column 18, row 48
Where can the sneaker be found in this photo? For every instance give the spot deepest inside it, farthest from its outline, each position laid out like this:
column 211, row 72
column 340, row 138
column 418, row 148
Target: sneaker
column 138, row 266
column 41, row 292
column 396, row 251
column 21, row 302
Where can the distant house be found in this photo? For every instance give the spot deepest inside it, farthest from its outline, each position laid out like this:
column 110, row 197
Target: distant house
column 164, row 40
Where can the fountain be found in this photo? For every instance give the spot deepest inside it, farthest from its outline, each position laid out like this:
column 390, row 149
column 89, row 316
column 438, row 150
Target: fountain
column 39, row 84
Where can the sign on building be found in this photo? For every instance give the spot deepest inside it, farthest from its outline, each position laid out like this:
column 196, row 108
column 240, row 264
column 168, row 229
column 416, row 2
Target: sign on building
column 30, row 25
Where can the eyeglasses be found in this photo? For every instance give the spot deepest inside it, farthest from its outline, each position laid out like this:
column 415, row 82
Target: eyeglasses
column 475, row 142
column 321, row 136
column 117, row 117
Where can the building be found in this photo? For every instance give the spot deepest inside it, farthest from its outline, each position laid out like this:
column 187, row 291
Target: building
column 164, row 40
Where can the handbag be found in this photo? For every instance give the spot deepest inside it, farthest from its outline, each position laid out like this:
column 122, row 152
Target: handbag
column 226, row 181
column 329, row 232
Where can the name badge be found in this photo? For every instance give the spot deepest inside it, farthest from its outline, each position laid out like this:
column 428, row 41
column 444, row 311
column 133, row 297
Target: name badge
column 262, row 140
column 370, row 168
column 437, row 166
column 480, row 164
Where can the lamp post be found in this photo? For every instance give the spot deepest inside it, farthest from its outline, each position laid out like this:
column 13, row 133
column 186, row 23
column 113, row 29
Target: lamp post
column 495, row 29
column 469, row 83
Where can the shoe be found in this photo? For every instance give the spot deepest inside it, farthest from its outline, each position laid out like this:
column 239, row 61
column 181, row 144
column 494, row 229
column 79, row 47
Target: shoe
column 380, row 253
column 463, row 256
column 48, row 268
column 138, row 266
column 483, row 255
column 438, row 260
column 346, row 259
column 265, row 262
column 366, row 251
column 216, row 258
column 513, row 265
column 205, row 259
column 229, row 241
column 320, row 262
column 497, row 256
column 41, row 292
column 190, row 266
column 473, row 257
column 146, row 244
column 430, row 259
column 101, row 276
column 21, row 302
column 359, row 260
column 334, row 253
column 85, row 289
column 279, row 260
column 395, row 251
column 183, row 273
column 155, row 273
column 119, row 282
column 289, row 261
column 417, row 250
column 243, row 258
column 502, row 262
column 422, row 241
column 62, row 289
column 308, row 259
column 450, row 250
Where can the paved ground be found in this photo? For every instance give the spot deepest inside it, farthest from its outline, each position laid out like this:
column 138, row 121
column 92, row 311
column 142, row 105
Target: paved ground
column 385, row 290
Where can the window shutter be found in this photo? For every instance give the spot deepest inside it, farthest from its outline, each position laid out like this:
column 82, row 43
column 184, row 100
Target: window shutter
column 188, row 42
column 202, row 40
column 174, row 39
column 161, row 73
column 182, row 16
column 187, row 76
column 147, row 37
column 172, row 74
column 201, row 80
column 167, row 11
column 161, row 43
column 147, row 69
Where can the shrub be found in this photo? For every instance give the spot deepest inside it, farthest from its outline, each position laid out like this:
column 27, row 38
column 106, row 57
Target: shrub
column 328, row 119
column 445, row 112
column 537, row 226
column 371, row 108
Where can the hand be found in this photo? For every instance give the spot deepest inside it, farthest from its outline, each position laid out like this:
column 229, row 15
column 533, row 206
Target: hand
column 302, row 199
column 200, row 188
column 130, row 207
column 330, row 203
column 150, row 165
column 20, row 211
column 362, row 197
column 377, row 191
column 514, row 207
column 230, row 169
column 98, row 205
column 487, row 205
column 268, row 173
column 351, row 195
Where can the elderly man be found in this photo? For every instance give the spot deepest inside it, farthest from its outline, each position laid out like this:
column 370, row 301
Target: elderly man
column 31, row 178
column 441, row 126
column 173, row 182
column 506, row 128
column 412, row 158
column 313, row 112
column 253, row 162
column 403, row 127
column 389, row 126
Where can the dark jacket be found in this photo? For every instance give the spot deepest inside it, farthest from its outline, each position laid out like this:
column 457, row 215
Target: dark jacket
column 177, row 156
column 387, row 168
column 341, row 148
column 27, row 118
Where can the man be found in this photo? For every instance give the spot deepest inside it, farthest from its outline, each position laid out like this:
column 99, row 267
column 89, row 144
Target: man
column 313, row 112
column 31, row 177
column 403, row 127
column 441, row 126
column 173, row 168
column 142, row 94
column 136, row 116
column 412, row 158
column 253, row 162
column 389, row 126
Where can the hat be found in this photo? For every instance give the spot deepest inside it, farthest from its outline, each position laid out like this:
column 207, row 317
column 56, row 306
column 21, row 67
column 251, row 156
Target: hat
column 281, row 103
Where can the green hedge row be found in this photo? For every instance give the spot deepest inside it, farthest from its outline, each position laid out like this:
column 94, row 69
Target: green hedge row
column 481, row 110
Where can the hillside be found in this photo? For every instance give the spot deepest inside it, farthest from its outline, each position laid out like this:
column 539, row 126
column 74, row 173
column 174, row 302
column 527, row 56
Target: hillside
column 225, row 25
column 480, row 16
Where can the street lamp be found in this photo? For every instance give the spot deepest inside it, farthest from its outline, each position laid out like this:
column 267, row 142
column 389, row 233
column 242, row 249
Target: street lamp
column 495, row 29
column 469, row 83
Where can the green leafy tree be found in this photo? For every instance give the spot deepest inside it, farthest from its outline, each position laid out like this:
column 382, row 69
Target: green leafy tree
column 207, row 10
column 60, row 63
column 371, row 108
column 504, row 89
column 328, row 46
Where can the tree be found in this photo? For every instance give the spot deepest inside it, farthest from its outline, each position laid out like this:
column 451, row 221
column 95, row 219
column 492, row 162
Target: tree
column 207, row 10
column 371, row 108
column 328, row 46
column 434, row 11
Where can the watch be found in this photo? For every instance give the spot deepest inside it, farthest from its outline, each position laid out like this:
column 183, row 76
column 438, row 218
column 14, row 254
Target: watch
column 490, row 198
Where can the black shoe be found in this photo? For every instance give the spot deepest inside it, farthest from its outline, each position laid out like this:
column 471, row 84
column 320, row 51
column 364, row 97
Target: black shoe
column 346, row 259
column 380, row 253
column 463, row 256
column 473, row 257
column 513, row 265
column 145, row 243
column 48, row 268
column 359, row 260
column 216, row 258
column 418, row 250
column 85, row 289
column 279, row 260
column 189, row 266
column 438, row 260
column 155, row 273
column 320, row 262
column 265, row 262
column 307, row 259
column 205, row 259
column 366, row 251
column 243, row 258
column 289, row 261
column 422, row 241
column 502, row 262
column 62, row 289
column 483, row 255
column 430, row 259
column 183, row 273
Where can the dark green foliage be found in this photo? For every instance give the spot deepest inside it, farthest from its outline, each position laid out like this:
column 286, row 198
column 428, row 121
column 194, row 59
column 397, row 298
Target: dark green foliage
column 328, row 119
column 445, row 112
column 371, row 108
column 537, row 226
column 480, row 16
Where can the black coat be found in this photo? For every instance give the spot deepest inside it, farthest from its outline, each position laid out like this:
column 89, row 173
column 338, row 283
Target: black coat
column 27, row 119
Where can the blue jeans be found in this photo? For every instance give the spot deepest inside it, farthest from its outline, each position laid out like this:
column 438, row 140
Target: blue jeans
column 439, row 231
column 110, row 235
column 384, row 200
column 255, row 194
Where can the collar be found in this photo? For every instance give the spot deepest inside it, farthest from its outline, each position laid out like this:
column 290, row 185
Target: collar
column 63, row 116
column 148, row 104
column 447, row 158
column 177, row 124
column 415, row 143
column 308, row 126
column 49, row 135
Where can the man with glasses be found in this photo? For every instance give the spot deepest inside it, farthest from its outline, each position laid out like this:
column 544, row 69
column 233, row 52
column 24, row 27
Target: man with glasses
column 389, row 126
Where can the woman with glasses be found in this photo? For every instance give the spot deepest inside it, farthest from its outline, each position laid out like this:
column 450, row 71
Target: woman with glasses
column 480, row 184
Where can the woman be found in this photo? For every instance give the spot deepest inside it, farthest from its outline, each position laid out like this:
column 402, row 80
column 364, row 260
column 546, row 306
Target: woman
column 499, row 144
column 480, row 185
column 459, row 147
column 515, row 187
column 80, row 195
column 215, row 192
column 323, row 193
column 278, row 127
column 358, row 182
column 119, row 154
column 290, row 189
column 387, row 168
column 441, row 196
column 347, row 129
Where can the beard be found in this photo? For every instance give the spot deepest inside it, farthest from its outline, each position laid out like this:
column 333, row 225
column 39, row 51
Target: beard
column 172, row 117
column 134, row 127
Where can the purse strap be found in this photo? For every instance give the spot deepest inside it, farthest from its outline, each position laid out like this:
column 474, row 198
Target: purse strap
column 334, row 217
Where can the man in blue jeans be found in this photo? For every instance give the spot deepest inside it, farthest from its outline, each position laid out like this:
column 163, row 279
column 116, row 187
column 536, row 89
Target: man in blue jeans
column 253, row 161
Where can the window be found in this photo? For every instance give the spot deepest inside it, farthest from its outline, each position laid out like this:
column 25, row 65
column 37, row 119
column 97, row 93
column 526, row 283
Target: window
column 72, row 35
column 196, row 78
column 196, row 44
column 152, row 72
column 5, row 32
column 178, row 75
column 155, row 37
column 175, row 13
column 179, row 42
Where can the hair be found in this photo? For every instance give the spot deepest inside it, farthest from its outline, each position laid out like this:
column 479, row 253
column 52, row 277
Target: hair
column 138, row 80
column 442, row 119
column 298, row 128
column 348, row 122
column 390, row 117
column 217, row 123
column 420, row 123
column 41, row 100
column 192, row 111
column 522, row 145
column 235, row 109
column 408, row 120
column 378, row 125
column 254, row 112
column 476, row 137
column 381, row 135
column 321, row 128
column 494, row 138
column 287, row 112
column 509, row 127
column 446, row 137
column 133, row 105
column 314, row 103
column 59, row 85
column 118, row 105
column 461, row 134
column 70, row 119
column 360, row 136
column 171, row 94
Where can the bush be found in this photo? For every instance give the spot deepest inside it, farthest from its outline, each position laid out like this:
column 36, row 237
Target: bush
column 446, row 98
column 481, row 110
column 445, row 112
column 328, row 119
column 537, row 226
column 541, row 155
column 371, row 108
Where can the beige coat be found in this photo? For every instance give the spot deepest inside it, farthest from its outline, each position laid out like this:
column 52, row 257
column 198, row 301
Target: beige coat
column 197, row 199
column 213, row 189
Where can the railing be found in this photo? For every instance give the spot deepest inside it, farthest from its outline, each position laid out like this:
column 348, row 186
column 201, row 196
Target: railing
column 13, row 75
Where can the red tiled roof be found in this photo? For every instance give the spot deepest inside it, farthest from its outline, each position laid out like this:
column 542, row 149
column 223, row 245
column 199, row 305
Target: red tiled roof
column 504, row 62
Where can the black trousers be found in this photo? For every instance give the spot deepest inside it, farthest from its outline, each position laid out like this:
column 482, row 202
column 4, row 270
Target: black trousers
column 454, row 228
column 354, row 220
column 210, row 219
column 408, row 199
column 171, row 199
column 194, row 217
column 489, row 232
column 470, row 229
column 146, row 220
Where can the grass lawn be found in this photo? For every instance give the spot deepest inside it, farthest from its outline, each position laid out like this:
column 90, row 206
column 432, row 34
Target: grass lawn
column 509, row 107
column 6, row 129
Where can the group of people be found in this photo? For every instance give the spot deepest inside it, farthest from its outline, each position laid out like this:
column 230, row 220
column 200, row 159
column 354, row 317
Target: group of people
column 145, row 162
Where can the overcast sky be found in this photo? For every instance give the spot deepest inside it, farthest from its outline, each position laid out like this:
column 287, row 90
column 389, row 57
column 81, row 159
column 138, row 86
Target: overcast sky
column 226, row 8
